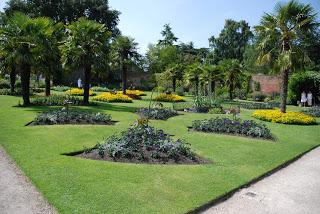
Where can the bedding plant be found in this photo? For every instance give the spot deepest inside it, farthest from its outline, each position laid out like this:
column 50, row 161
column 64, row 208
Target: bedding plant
column 169, row 98
column 78, row 92
column 56, row 100
column 276, row 116
column 157, row 113
column 113, row 98
column 312, row 111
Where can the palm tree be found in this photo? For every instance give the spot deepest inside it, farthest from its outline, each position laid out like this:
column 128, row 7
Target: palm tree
column 16, row 36
column 86, row 48
column 211, row 74
column 174, row 71
column 232, row 69
column 280, row 36
column 124, row 53
column 193, row 75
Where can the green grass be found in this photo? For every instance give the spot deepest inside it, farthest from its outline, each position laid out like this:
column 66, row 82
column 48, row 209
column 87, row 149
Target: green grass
column 75, row 185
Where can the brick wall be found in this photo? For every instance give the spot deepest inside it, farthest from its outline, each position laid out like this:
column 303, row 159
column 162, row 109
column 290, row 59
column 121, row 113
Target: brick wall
column 268, row 84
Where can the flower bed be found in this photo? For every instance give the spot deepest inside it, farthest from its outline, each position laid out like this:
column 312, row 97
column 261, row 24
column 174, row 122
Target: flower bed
column 55, row 100
column 259, row 105
column 313, row 111
column 135, row 92
column 169, row 98
column 142, row 143
column 78, row 92
column 63, row 116
column 157, row 113
column 276, row 116
column 61, row 88
column 227, row 126
column 113, row 98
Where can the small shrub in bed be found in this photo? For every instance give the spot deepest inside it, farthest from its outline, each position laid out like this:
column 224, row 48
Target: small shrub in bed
column 71, row 117
column 55, row 100
column 235, row 127
column 142, row 143
column 259, row 105
column 157, row 113
column 313, row 111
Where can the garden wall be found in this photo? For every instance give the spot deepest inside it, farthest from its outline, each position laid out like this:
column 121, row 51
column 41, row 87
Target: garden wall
column 268, row 84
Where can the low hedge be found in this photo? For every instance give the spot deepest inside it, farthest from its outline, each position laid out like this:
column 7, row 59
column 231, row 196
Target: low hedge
column 259, row 105
column 157, row 113
column 234, row 127
column 313, row 111
column 55, row 100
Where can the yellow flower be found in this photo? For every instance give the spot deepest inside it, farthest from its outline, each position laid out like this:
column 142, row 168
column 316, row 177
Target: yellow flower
column 169, row 98
column 134, row 92
column 113, row 97
column 78, row 92
column 277, row 116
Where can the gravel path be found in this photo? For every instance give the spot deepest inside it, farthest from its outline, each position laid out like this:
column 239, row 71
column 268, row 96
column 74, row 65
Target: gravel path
column 17, row 194
column 292, row 190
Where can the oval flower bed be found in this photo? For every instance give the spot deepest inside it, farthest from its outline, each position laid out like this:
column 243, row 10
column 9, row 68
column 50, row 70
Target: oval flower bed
column 76, row 117
column 78, row 92
column 169, row 98
column 276, row 116
column 113, row 98
column 142, row 143
column 234, row 127
column 157, row 113
column 134, row 92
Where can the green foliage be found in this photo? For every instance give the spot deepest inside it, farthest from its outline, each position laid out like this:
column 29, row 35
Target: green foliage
column 4, row 84
column 55, row 100
column 71, row 117
column 304, row 81
column 157, row 113
column 216, row 110
column 100, row 89
column 227, row 126
column 61, row 88
column 259, row 105
column 133, row 144
column 169, row 37
column 258, row 96
column 313, row 111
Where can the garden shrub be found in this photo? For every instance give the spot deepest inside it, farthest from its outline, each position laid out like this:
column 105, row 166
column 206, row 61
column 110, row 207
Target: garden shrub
column 157, row 113
column 55, row 100
column 258, row 96
column 17, row 92
column 259, row 105
column 100, row 89
column 143, row 143
column 234, row 127
column 78, row 92
column 4, row 84
column 61, row 88
column 169, row 98
column 113, row 97
column 276, row 116
column 216, row 110
column 313, row 111
column 71, row 117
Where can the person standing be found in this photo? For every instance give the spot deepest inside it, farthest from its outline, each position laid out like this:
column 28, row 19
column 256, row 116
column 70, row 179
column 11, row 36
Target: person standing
column 303, row 99
column 79, row 83
column 309, row 98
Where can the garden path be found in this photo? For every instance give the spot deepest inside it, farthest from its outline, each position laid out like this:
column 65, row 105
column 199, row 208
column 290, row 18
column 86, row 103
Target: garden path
column 17, row 194
column 292, row 190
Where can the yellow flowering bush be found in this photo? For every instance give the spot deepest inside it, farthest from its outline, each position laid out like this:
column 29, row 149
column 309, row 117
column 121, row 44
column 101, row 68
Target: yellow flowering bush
column 169, row 98
column 134, row 92
column 78, row 92
column 113, row 97
column 277, row 116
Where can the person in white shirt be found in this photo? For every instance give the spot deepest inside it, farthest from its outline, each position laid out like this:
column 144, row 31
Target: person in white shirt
column 309, row 98
column 79, row 83
column 303, row 98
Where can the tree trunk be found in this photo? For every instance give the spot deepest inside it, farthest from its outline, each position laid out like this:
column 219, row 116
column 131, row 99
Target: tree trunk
column 174, row 83
column 197, row 87
column 12, row 79
column 284, row 90
column 47, row 81
column 124, row 77
column 86, row 87
column 25, row 83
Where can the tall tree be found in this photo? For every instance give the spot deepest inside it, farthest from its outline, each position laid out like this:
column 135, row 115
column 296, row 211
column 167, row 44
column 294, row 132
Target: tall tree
column 283, row 33
column 86, row 48
column 211, row 74
column 232, row 69
column 232, row 41
column 174, row 72
column 193, row 74
column 125, row 52
column 168, row 36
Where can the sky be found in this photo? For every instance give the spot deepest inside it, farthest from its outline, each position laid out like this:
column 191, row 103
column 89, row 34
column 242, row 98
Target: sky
column 191, row 20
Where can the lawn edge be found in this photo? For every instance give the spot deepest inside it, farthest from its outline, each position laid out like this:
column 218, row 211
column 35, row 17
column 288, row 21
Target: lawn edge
column 230, row 193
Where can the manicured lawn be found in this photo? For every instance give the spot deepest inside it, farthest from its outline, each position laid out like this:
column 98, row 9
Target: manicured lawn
column 75, row 185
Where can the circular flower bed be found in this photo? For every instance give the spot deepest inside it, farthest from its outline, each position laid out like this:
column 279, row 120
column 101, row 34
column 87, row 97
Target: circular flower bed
column 134, row 92
column 113, row 98
column 235, row 127
column 157, row 113
column 142, row 143
column 63, row 116
column 276, row 116
column 78, row 92
column 169, row 98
